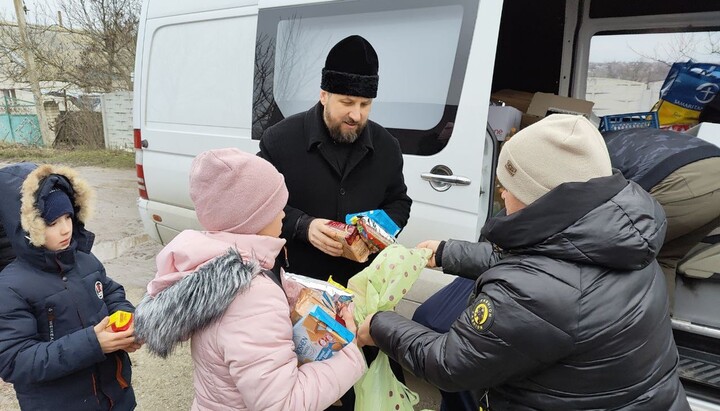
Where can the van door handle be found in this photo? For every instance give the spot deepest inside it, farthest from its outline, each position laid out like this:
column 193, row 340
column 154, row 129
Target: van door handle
column 443, row 179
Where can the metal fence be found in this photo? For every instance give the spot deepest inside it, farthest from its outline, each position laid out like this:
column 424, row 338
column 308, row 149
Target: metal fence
column 19, row 123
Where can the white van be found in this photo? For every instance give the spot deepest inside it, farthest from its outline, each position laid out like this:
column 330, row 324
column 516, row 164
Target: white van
column 216, row 73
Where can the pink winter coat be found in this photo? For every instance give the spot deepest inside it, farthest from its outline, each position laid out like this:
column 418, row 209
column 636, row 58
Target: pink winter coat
column 242, row 347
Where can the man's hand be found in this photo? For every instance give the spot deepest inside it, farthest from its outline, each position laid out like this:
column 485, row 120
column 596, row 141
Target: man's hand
column 112, row 341
column 363, row 333
column 323, row 238
column 431, row 245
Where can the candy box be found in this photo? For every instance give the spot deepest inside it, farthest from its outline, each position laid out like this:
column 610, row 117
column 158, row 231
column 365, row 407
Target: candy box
column 317, row 336
column 120, row 320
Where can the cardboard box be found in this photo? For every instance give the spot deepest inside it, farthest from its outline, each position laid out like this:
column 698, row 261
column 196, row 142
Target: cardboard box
column 544, row 104
column 538, row 105
column 513, row 98
column 503, row 119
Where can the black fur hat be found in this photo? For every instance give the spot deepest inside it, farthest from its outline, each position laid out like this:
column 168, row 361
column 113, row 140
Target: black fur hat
column 351, row 68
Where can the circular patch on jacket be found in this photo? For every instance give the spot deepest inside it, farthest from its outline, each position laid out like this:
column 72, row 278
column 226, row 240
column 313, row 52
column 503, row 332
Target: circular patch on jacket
column 98, row 289
column 483, row 313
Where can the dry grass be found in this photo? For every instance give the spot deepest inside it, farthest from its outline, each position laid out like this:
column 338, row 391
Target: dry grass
column 71, row 157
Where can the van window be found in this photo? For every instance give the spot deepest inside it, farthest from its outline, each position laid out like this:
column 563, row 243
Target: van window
column 626, row 71
column 208, row 90
column 422, row 48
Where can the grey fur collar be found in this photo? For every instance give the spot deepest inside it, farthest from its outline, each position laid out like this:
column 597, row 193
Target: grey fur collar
column 192, row 303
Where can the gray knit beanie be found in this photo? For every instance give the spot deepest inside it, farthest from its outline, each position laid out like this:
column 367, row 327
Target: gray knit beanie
column 560, row 148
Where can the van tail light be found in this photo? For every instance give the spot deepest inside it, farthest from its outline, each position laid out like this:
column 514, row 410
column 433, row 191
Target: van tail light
column 137, row 142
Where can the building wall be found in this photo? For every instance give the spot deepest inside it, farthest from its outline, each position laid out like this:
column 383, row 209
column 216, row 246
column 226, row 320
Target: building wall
column 116, row 110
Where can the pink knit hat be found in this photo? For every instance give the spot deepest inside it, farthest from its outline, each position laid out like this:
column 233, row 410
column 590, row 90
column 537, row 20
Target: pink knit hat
column 235, row 191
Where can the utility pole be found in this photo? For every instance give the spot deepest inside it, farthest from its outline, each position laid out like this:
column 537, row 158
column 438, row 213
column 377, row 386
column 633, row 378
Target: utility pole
column 47, row 137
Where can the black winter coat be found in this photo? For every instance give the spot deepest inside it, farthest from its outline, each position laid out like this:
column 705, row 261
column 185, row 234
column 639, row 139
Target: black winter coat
column 648, row 155
column 49, row 303
column 573, row 317
column 372, row 179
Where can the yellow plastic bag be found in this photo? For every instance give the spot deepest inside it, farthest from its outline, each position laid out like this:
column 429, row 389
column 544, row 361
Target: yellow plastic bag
column 380, row 287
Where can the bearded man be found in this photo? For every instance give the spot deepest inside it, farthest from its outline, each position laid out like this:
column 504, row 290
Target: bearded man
column 335, row 162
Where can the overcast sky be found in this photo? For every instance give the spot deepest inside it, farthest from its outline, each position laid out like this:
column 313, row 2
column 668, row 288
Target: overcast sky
column 7, row 8
column 662, row 46
column 603, row 48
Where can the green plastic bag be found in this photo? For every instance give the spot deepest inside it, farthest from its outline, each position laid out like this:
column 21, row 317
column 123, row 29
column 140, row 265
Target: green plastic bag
column 380, row 287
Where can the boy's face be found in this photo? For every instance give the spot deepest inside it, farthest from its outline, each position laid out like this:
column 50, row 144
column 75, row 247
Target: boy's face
column 59, row 233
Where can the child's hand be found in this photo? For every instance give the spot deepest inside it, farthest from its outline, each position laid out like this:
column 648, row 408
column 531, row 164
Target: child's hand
column 347, row 314
column 135, row 345
column 111, row 341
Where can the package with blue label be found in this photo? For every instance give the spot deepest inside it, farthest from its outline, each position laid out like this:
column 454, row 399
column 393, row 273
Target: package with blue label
column 317, row 336
column 376, row 228
column 318, row 331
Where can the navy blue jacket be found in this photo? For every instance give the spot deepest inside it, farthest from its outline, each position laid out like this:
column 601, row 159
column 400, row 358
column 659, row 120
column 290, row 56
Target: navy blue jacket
column 49, row 303
column 648, row 155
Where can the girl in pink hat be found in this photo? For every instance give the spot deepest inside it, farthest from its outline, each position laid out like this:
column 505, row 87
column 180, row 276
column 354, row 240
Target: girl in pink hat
column 224, row 288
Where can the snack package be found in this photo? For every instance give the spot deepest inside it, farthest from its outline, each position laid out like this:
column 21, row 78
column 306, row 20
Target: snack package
column 317, row 336
column 354, row 248
column 308, row 300
column 120, row 320
column 380, row 217
column 373, row 234
column 323, row 294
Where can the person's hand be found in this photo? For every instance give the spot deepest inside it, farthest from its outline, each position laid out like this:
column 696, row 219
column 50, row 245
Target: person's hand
column 112, row 341
column 363, row 333
column 347, row 313
column 323, row 238
column 135, row 345
column 431, row 245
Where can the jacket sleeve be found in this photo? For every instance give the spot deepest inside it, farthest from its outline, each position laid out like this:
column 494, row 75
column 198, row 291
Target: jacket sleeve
column 479, row 351
column 258, row 348
column 114, row 295
column 468, row 259
column 296, row 222
column 24, row 359
column 396, row 202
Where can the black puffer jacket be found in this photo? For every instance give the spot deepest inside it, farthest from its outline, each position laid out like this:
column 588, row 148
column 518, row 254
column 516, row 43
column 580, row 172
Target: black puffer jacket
column 574, row 317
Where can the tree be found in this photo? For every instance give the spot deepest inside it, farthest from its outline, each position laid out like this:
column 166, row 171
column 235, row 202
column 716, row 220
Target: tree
column 93, row 47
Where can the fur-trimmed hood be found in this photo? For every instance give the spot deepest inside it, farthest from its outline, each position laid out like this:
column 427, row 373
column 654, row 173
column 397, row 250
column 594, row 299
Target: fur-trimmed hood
column 24, row 188
column 35, row 190
column 199, row 274
column 193, row 302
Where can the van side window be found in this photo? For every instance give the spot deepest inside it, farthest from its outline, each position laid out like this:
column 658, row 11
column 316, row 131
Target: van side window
column 626, row 71
column 422, row 47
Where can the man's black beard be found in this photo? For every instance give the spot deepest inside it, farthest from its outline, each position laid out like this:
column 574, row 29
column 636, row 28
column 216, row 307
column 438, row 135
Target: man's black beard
column 340, row 137
column 344, row 138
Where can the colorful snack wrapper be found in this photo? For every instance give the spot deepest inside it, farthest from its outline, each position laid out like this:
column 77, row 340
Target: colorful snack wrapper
column 380, row 217
column 318, row 293
column 353, row 246
column 317, row 336
column 373, row 234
